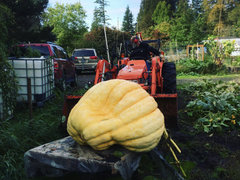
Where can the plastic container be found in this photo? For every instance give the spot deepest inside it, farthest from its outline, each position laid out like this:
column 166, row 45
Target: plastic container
column 41, row 73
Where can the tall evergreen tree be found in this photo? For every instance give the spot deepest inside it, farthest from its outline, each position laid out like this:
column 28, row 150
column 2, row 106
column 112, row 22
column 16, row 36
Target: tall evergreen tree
column 233, row 17
column 181, row 23
column 197, row 30
column 100, row 12
column 161, row 17
column 144, row 19
column 27, row 21
column 186, row 25
column 217, row 13
column 96, row 20
column 127, row 24
column 147, row 7
column 162, row 13
column 197, row 6
column 172, row 3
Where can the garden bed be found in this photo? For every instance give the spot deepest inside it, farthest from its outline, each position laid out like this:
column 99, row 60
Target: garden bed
column 216, row 154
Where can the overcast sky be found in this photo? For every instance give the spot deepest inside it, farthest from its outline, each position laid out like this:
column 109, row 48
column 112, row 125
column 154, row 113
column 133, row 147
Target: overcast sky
column 115, row 10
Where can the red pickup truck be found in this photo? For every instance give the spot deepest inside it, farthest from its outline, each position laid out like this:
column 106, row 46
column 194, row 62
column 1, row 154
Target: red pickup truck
column 64, row 68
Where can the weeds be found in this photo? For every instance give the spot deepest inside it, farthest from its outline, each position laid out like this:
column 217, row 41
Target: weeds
column 19, row 134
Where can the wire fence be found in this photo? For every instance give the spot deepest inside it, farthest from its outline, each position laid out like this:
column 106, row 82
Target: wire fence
column 174, row 51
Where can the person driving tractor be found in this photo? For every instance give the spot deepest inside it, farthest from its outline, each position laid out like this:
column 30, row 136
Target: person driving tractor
column 141, row 49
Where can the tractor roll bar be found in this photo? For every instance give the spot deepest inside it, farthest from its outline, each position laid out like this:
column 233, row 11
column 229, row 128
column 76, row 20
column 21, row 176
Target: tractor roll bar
column 145, row 41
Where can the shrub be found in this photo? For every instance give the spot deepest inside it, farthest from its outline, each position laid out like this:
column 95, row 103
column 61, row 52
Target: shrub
column 189, row 66
column 216, row 107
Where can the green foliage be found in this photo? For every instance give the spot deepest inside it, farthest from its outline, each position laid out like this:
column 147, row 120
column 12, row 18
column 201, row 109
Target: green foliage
column 216, row 13
column 216, row 107
column 162, row 13
column 95, row 39
column 235, row 22
column 196, row 33
column 147, row 164
column 101, row 12
column 26, row 51
column 96, row 20
column 68, row 22
column 25, row 23
column 8, row 84
column 197, row 6
column 118, row 153
column 196, row 67
column 161, row 18
column 32, row 52
column 219, row 50
column 187, row 167
column 144, row 18
column 19, row 134
column 236, row 61
column 182, row 22
column 127, row 24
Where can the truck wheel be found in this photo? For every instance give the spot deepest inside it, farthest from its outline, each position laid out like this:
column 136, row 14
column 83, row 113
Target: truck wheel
column 63, row 84
column 169, row 77
column 74, row 83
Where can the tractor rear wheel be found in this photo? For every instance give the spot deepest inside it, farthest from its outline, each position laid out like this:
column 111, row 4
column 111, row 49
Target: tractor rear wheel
column 169, row 77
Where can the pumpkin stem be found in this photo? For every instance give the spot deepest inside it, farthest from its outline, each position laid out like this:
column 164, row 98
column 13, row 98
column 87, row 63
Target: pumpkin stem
column 166, row 136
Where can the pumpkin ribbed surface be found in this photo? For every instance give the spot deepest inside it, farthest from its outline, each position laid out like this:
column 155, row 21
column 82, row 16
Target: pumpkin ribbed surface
column 116, row 112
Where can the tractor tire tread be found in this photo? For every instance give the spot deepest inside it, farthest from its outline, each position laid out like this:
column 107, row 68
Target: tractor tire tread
column 169, row 77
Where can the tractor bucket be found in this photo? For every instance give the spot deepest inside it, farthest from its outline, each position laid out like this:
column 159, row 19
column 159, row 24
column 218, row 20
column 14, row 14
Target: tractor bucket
column 69, row 102
column 167, row 103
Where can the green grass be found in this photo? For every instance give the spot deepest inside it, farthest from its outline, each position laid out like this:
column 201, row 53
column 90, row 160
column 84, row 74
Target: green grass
column 19, row 134
column 209, row 76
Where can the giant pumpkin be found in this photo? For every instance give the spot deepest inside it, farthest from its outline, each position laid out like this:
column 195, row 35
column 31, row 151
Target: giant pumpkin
column 116, row 112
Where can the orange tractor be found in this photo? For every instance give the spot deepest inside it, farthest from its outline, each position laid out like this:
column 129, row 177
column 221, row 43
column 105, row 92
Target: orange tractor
column 159, row 81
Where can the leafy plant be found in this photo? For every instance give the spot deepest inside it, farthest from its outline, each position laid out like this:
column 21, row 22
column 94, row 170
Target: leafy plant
column 219, row 50
column 216, row 105
column 195, row 67
column 8, row 87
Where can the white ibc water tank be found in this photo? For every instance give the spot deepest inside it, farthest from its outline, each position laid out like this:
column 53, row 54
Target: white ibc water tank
column 41, row 73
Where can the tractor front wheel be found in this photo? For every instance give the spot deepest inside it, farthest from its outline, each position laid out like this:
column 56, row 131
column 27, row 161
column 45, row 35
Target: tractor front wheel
column 169, row 77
